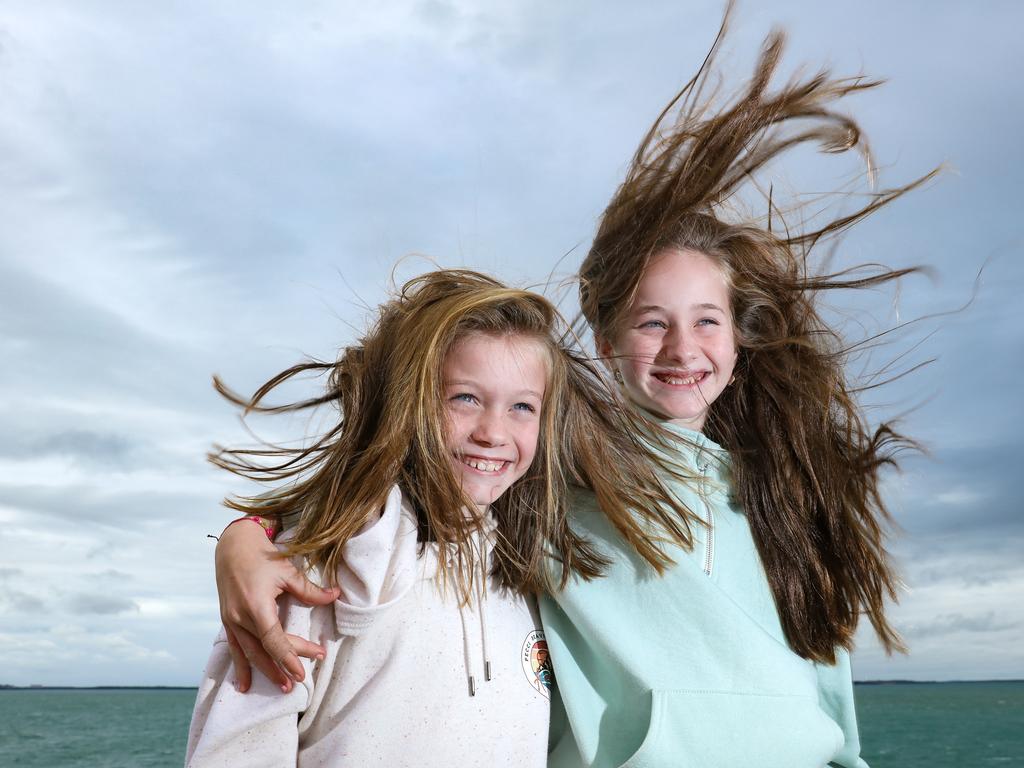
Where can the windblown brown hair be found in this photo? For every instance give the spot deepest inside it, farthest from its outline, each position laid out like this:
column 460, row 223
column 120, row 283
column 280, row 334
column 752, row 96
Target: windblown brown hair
column 805, row 462
column 389, row 390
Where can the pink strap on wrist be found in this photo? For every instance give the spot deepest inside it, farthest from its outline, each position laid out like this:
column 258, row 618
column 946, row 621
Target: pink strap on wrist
column 269, row 526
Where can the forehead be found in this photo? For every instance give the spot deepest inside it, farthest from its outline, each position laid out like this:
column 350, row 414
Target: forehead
column 500, row 362
column 682, row 278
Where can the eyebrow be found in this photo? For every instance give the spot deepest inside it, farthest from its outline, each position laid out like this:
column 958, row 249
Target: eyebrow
column 659, row 308
column 471, row 383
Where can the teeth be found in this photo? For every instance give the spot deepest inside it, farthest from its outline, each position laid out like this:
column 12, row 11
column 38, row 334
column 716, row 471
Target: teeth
column 678, row 382
column 483, row 466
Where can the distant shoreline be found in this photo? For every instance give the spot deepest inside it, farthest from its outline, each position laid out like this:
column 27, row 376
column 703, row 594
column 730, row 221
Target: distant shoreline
column 97, row 688
column 933, row 682
column 4, row 687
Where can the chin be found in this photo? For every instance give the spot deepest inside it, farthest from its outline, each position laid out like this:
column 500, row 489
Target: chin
column 482, row 498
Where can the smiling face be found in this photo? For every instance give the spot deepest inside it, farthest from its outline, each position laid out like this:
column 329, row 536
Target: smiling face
column 493, row 390
column 676, row 346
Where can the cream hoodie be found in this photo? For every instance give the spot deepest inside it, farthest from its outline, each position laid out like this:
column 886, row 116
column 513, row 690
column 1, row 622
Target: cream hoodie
column 404, row 681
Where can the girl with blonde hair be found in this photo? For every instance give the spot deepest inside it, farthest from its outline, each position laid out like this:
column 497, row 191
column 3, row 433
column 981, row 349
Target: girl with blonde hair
column 430, row 507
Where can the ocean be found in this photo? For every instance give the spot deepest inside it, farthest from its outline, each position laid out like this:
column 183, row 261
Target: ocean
column 903, row 725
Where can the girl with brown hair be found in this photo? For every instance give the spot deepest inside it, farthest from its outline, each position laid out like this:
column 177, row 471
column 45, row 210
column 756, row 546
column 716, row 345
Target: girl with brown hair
column 709, row 322
column 430, row 507
column 736, row 654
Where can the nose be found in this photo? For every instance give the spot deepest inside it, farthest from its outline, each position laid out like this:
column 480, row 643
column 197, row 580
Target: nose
column 678, row 345
column 489, row 429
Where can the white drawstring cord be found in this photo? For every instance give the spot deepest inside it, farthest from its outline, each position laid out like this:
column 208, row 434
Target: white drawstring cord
column 467, row 657
column 480, row 593
column 482, row 600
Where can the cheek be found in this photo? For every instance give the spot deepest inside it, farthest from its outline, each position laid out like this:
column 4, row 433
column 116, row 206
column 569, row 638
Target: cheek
column 455, row 427
column 723, row 351
column 528, row 440
column 730, row 353
column 633, row 344
column 636, row 350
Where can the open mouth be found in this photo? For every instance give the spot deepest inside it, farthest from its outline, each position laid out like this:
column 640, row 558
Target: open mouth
column 484, row 466
column 677, row 379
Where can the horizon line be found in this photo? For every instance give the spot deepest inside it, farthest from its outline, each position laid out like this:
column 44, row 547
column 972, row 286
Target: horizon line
column 37, row 687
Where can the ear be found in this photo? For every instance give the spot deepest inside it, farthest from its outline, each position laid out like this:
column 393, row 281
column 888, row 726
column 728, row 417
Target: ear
column 605, row 351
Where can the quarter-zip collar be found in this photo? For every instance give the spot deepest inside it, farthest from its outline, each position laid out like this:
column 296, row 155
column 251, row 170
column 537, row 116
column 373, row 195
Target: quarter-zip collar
column 707, row 463
column 697, row 450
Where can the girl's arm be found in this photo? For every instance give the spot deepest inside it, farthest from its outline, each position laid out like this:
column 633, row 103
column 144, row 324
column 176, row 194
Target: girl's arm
column 835, row 693
column 251, row 574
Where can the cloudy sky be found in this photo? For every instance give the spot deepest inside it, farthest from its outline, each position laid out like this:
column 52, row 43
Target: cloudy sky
column 195, row 187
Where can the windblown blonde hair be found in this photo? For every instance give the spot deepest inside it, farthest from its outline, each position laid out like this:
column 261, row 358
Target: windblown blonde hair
column 389, row 390
column 805, row 463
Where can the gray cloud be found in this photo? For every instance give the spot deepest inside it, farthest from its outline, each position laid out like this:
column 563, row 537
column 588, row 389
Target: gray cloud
column 127, row 514
column 17, row 601
column 93, row 446
column 111, row 574
column 964, row 488
column 104, row 605
column 956, row 622
column 81, row 445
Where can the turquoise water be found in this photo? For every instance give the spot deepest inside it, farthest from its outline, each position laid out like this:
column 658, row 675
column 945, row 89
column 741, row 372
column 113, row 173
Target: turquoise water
column 949, row 725
column 959, row 725
column 94, row 729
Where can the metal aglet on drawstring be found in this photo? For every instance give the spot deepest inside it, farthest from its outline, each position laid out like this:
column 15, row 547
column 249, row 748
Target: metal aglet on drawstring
column 472, row 686
column 481, row 598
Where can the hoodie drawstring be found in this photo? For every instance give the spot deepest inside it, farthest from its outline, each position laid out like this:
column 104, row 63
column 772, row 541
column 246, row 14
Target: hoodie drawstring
column 467, row 658
column 482, row 602
column 480, row 597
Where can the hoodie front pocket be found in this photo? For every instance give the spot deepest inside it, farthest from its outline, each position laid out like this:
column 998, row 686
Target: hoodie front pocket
column 725, row 729
column 648, row 748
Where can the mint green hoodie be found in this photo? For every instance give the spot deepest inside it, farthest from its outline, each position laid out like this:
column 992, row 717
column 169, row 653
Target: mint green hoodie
column 690, row 669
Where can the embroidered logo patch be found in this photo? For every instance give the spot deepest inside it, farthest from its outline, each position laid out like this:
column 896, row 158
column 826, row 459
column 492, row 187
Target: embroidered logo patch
column 537, row 663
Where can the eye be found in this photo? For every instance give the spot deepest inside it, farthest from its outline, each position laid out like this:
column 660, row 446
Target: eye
column 524, row 408
column 463, row 397
column 708, row 321
column 653, row 324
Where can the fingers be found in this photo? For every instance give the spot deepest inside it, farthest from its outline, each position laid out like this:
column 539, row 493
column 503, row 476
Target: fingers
column 276, row 646
column 259, row 658
column 250, row 575
column 243, row 671
column 297, row 646
column 307, row 591
column 303, row 647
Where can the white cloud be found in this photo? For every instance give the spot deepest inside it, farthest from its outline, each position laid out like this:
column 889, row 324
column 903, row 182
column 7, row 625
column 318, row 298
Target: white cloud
column 959, row 497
